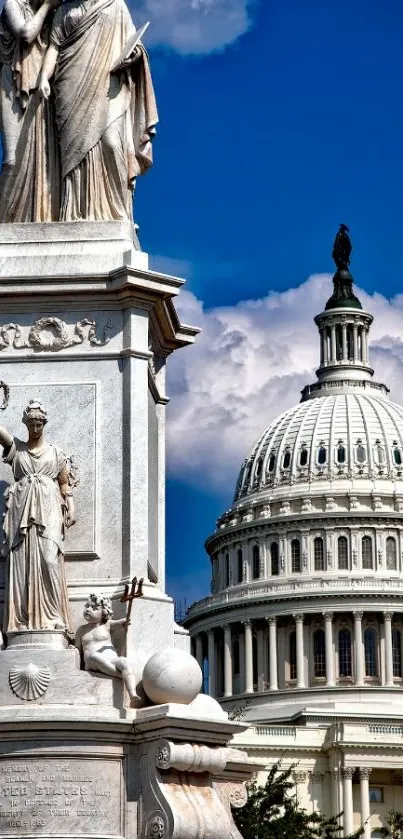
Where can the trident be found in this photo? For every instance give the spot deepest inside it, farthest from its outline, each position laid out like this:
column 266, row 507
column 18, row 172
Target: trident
column 130, row 593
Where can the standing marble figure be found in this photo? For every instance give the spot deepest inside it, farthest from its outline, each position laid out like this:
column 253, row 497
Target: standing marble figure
column 105, row 107
column 30, row 179
column 38, row 505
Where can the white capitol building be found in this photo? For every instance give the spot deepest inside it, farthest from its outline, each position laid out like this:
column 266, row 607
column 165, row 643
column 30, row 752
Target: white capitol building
column 304, row 626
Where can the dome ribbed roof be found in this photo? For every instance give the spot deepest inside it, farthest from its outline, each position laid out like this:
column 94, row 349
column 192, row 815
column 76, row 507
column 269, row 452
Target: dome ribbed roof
column 346, row 434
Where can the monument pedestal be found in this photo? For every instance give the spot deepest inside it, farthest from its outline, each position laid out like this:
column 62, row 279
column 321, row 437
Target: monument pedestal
column 86, row 328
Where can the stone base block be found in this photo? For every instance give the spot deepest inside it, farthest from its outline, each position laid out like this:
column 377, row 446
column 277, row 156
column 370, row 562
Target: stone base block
column 53, row 677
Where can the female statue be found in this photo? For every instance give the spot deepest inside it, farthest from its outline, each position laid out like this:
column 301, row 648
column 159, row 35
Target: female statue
column 105, row 107
column 38, row 504
column 29, row 181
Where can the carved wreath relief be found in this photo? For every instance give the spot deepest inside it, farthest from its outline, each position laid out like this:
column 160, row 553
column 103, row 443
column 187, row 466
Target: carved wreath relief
column 53, row 334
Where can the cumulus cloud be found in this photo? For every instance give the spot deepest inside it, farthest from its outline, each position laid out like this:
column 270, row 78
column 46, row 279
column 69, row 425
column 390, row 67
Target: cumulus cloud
column 194, row 26
column 249, row 365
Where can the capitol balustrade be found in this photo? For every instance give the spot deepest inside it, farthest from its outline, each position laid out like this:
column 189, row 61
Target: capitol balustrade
column 290, row 587
column 327, row 650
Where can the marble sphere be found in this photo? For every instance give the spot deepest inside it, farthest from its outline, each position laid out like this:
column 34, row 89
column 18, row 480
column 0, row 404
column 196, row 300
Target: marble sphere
column 172, row 676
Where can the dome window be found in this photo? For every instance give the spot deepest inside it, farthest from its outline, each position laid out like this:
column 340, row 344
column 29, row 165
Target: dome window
column 319, row 661
column 259, row 468
column 391, row 554
column 345, row 662
column 295, row 556
column 303, row 458
column 274, row 555
column 239, row 563
column 360, row 452
column 379, row 453
column 319, row 554
column 341, row 454
column 256, row 562
column 342, row 553
column 397, row 456
column 226, row 571
column 367, row 553
column 272, row 462
column 370, row 653
column 397, row 653
column 287, row 460
column 322, row 455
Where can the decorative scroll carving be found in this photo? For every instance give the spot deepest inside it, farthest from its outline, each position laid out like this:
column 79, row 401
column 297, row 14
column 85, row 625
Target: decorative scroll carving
column 52, row 334
column 237, row 794
column 193, row 758
column 29, row 682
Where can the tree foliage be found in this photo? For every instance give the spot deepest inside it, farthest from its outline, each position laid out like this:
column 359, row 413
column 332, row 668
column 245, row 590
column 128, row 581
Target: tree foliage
column 273, row 812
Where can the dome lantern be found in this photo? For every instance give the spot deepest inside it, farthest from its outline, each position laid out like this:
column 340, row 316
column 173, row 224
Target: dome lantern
column 343, row 330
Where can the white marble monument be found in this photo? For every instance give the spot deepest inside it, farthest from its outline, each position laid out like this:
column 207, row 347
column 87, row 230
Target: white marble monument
column 87, row 747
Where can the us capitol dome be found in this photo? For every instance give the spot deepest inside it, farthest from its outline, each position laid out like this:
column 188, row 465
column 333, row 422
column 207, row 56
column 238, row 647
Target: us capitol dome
column 303, row 631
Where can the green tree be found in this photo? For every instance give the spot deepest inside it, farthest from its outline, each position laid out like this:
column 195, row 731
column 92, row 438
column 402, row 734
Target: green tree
column 273, row 812
column 394, row 830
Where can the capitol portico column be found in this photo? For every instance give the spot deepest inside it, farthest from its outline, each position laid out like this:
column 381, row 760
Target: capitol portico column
column 248, row 657
column 387, row 617
column 364, row 797
column 359, row 658
column 348, row 814
column 299, row 623
column 328, row 616
column 364, row 345
column 273, row 653
column 211, row 662
column 227, row 660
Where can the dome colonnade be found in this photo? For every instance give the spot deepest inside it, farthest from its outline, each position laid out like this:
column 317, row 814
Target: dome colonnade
column 305, row 616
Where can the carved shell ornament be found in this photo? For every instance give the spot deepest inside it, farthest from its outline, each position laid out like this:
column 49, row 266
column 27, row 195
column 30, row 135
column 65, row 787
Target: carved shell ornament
column 29, row 682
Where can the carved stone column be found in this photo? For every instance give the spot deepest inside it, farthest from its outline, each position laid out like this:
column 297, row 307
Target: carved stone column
column 211, row 663
column 344, row 340
column 358, row 649
column 364, row 773
column 355, row 342
column 273, row 653
column 348, row 819
column 260, row 659
column 299, row 623
column 248, row 657
column 387, row 617
column 328, row 616
column 227, row 660
column 199, row 651
column 333, row 343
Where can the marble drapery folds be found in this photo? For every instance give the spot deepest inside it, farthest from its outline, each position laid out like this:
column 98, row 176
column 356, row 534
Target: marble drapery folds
column 30, row 178
column 105, row 119
column 33, row 545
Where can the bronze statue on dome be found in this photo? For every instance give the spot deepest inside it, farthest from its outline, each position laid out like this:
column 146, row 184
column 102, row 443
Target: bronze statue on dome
column 343, row 295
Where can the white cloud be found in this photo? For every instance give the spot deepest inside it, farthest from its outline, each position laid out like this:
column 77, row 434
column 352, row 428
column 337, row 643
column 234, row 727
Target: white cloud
column 194, row 26
column 249, row 365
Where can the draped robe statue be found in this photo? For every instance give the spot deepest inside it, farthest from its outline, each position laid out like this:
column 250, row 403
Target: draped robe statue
column 105, row 118
column 30, row 178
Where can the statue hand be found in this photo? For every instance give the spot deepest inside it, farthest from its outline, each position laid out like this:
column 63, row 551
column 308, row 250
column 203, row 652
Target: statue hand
column 44, row 88
column 70, row 513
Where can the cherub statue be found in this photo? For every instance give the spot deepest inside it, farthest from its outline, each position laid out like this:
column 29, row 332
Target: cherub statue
column 94, row 641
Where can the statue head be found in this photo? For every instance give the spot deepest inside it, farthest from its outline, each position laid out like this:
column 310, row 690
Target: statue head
column 98, row 607
column 34, row 412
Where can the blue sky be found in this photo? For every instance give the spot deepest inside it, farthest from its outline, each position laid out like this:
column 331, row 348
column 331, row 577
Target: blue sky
column 291, row 126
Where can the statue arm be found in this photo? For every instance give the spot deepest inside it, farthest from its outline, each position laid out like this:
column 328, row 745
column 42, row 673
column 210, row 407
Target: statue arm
column 48, row 68
column 6, row 439
column 27, row 30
